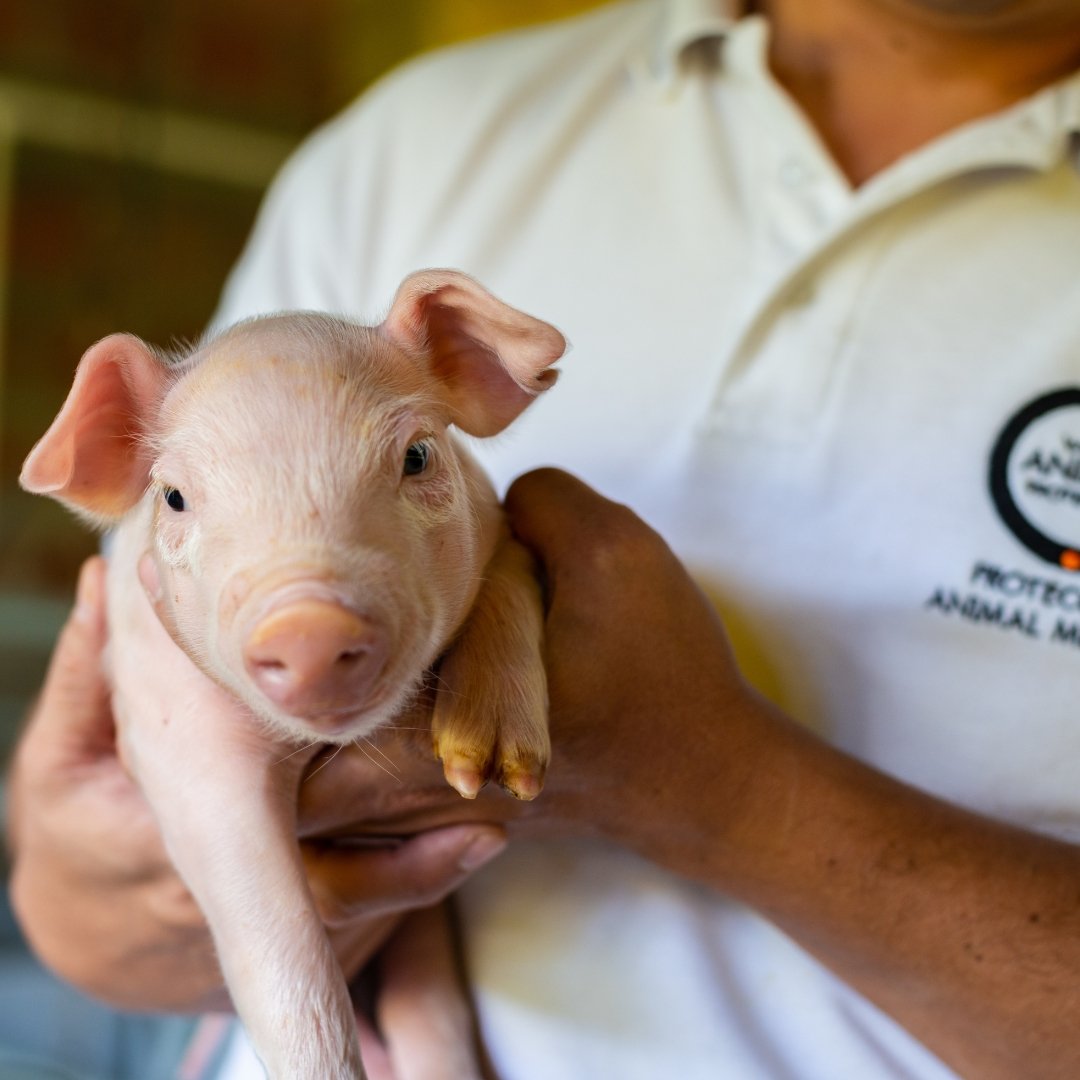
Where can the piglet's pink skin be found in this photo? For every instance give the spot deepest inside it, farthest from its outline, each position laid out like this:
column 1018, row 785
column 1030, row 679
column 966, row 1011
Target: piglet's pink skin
column 314, row 537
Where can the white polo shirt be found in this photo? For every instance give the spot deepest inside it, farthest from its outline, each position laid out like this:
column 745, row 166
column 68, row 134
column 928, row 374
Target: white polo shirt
column 854, row 414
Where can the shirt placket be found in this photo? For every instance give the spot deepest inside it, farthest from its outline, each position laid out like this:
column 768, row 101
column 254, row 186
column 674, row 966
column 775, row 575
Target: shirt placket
column 796, row 201
column 815, row 243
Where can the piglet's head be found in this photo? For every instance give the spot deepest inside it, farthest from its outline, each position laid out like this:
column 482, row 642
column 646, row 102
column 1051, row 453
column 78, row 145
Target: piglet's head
column 314, row 530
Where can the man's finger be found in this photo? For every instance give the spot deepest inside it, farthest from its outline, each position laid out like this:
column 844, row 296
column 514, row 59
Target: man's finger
column 423, row 1007
column 354, row 882
column 542, row 503
column 577, row 534
column 73, row 710
column 373, row 1052
column 550, row 510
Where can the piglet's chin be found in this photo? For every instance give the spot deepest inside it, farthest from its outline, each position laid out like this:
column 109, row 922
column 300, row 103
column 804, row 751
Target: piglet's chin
column 342, row 725
column 339, row 727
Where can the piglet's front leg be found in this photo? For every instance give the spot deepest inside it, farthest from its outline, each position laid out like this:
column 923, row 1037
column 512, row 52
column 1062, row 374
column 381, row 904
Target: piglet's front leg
column 224, row 797
column 491, row 713
column 238, row 854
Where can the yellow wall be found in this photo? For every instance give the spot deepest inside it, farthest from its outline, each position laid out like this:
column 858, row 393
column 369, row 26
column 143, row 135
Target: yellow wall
column 375, row 35
column 454, row 20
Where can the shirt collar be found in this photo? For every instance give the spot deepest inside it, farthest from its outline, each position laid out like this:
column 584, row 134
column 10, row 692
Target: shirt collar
column 1071, row 104
column 685, row 23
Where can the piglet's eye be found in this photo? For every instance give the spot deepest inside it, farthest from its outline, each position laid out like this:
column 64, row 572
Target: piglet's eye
column 416, row 459
column 174, row 499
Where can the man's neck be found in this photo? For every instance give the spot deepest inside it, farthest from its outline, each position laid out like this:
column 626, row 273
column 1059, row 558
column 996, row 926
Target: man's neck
column 880, row 78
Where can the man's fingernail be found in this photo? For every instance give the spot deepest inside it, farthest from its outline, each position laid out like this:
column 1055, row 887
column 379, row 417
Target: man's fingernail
column 88, row 593
column 483, row 849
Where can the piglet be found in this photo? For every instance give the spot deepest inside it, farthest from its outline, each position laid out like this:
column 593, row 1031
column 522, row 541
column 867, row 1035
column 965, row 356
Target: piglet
column 313, row 536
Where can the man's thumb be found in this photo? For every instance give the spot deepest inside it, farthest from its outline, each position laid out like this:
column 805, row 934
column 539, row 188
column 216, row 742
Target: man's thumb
column 349, row 882
column 73, row 709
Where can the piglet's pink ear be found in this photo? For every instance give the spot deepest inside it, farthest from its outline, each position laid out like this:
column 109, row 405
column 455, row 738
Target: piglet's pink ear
column 93, row 457
column 490, row 359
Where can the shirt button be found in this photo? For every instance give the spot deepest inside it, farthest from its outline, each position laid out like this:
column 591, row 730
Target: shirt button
column 793, row 173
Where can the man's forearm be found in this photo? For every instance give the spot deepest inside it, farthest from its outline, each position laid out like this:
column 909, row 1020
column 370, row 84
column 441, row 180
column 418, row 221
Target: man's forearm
column 964, row 929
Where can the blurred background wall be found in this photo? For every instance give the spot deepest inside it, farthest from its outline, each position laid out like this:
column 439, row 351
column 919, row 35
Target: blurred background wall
column 136, row 138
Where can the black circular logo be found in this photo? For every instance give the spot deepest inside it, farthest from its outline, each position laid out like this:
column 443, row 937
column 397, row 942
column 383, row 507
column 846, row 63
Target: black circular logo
column 1035, row 477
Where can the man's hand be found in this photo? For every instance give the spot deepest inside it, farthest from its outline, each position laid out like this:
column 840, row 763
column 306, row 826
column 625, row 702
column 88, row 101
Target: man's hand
column 93, row 887
column 646, row 700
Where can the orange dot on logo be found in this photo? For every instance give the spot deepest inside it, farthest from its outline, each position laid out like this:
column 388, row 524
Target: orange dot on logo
column 1070, row 560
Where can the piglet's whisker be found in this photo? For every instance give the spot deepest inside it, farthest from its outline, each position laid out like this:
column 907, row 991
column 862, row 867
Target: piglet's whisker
column 375, row 761
column 323, row 765
column 298, row 750
column 378, row 750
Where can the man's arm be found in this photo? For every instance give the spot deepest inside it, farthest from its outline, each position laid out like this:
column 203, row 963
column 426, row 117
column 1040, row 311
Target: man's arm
column 966, row 930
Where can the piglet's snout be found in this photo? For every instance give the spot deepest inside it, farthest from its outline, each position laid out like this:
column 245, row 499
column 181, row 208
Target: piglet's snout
column 316, row 659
